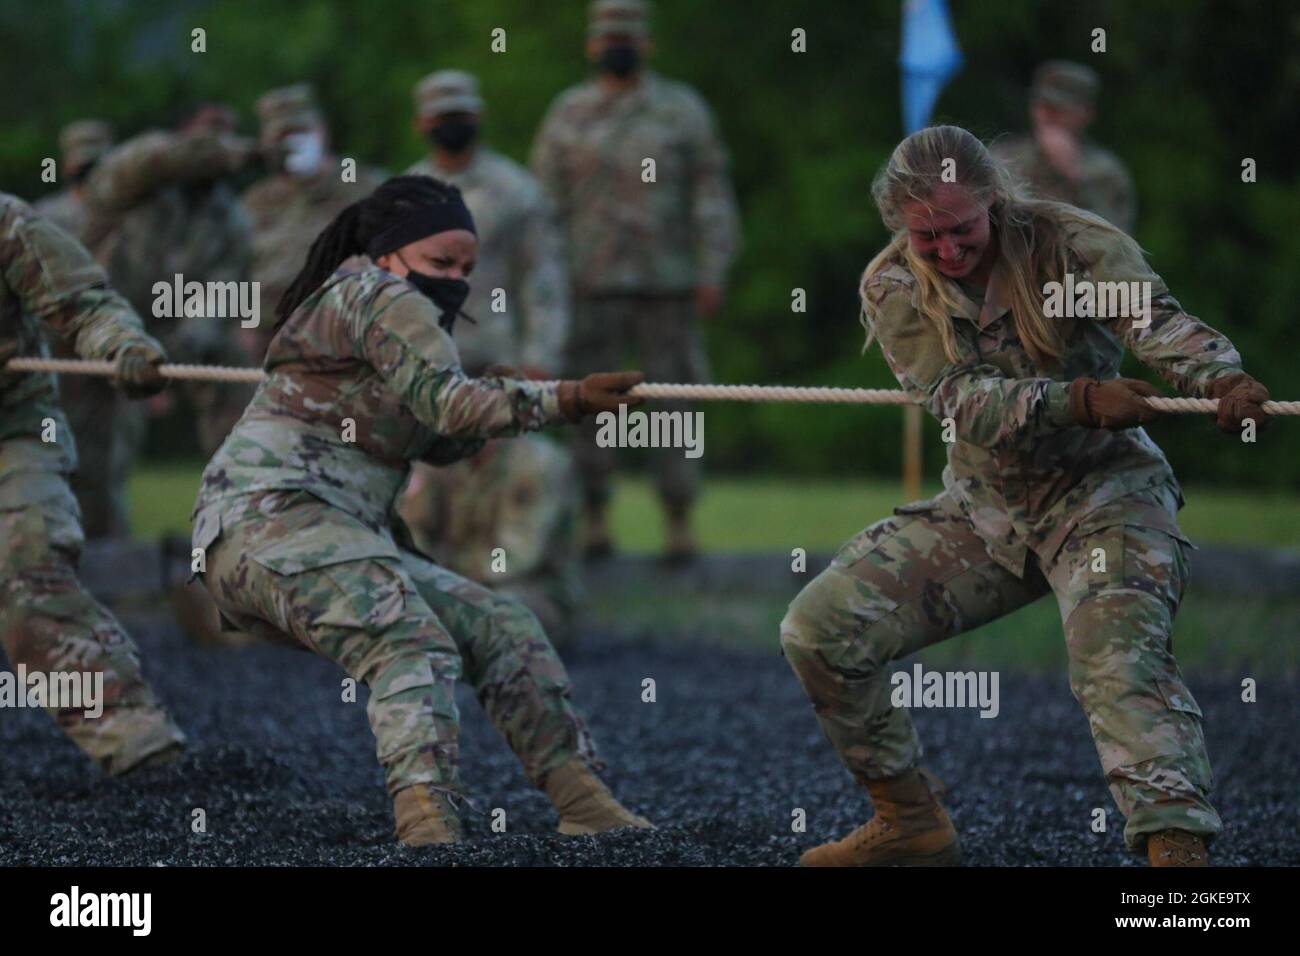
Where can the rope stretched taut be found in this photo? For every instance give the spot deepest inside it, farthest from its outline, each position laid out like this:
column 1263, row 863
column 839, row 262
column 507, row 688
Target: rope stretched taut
column 707, row 393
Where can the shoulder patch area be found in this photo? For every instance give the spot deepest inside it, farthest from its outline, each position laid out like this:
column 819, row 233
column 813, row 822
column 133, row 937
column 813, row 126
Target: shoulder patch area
column 894, row 278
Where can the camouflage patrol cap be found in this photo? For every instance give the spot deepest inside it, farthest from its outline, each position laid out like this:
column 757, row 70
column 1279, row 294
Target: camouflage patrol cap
column 447, row 91
column 630, row 17
column 286, row 109
column 1063, row 83
column 83, row 142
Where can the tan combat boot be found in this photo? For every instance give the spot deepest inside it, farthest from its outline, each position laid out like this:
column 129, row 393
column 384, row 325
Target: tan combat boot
column 910, row 828
column 585, row 804
column 127, row 739
column 1176, row 848
column 425, row 816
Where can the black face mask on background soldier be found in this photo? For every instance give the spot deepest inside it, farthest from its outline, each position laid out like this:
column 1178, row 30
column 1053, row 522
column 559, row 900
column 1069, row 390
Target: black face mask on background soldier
column 83, row 172
column 620, row 59
column 454, row 135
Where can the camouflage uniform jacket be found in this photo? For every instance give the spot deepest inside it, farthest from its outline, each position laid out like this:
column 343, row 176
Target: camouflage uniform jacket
column 287, row 212
column 156, row 207
column 520, row 252
column 50, row 282
column 1104, row 185
column 625, row 235
column 1020, row 467
column 360, row 381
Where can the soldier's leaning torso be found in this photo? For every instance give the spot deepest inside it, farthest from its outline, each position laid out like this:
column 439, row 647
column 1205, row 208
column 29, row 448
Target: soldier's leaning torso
column 324, row 420
column 27, row 401
column 1032, row 491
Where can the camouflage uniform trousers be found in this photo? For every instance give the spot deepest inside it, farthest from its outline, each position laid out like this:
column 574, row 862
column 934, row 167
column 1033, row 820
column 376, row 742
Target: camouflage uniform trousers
column 517, row 495
column 923, row 576
column 50, row 624
column 664, row 331
column 287, row 565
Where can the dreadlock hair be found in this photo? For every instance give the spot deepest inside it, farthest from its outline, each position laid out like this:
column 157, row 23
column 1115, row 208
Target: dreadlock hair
column 352, row 229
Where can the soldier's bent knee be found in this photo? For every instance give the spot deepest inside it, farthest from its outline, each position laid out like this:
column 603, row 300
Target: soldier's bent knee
column 826, row 626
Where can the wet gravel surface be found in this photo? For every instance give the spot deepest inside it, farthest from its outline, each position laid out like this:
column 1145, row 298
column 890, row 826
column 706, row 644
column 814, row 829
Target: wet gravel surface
column 721, row 761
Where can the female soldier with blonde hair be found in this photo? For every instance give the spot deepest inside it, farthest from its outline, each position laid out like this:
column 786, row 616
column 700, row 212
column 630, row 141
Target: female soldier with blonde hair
column 295, row 513
column 1051, row 486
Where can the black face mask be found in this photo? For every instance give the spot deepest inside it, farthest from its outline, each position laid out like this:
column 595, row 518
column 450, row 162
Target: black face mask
column 454, row 135
column 447, row 294
column 83, row 172
column 620, row 60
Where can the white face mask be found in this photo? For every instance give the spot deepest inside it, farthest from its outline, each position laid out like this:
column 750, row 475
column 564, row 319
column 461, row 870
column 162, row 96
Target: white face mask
column 303, row 153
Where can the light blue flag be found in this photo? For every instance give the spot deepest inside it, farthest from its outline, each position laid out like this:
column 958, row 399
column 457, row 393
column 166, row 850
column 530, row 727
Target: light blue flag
column 929, row 59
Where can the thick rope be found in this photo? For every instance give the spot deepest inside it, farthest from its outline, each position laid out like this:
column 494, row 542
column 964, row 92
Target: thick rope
column 707, row 393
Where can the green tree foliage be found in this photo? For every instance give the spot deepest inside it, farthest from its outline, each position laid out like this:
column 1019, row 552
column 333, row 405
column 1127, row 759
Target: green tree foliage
column 1191, row 88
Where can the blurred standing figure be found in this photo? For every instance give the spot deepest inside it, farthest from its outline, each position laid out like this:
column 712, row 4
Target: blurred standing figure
column 1056, row 161
column 639, row 176
column 103, row 453
column 48, row 623
column 303, row 193
column 517, row 496
column 520, row 258
column 81, row 144
column 158, row 206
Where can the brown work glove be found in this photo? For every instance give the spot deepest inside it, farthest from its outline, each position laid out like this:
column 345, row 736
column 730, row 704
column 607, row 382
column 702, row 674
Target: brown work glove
column 1115, row 403
column 137, row 372
column 598, row 392
column 1240, row 397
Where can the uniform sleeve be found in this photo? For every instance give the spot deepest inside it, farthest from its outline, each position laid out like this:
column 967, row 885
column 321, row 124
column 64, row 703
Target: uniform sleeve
column 988, row 409
column 547, row 163
column 57, row 281
column 714, row 215
column 138, row 168
column 401, row 339
column 543, row 287
column 1183, row 350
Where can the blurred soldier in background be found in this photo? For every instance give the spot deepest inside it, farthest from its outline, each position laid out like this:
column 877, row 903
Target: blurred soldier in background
column 81, row 144
column 158, row 206
column 48, row 623
column 104, row 446
column 518, row 496
column 1056, row 160
column 303, row 193
column 639, row 177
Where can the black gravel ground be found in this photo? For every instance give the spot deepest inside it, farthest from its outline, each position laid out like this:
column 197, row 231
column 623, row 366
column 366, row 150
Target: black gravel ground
column 286, row 774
